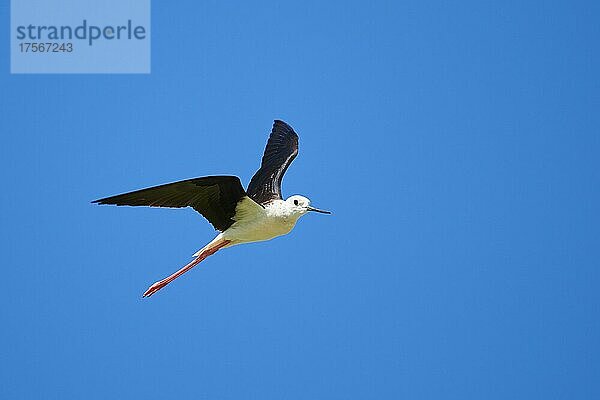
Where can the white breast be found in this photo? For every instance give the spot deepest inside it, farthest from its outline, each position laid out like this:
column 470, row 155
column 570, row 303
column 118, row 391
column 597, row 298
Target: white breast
column 255, row 223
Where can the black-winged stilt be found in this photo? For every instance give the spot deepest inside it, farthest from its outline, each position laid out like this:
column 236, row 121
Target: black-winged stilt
column 243, row 216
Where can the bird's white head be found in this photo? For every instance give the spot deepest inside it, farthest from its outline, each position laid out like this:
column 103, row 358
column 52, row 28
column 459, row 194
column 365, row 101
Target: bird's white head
column 301, row 205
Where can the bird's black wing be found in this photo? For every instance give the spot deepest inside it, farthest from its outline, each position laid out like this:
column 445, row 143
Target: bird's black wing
column 281, row 150
column 215, row 197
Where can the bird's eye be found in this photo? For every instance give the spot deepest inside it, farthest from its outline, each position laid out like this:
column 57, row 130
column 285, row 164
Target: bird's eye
column 295, row 202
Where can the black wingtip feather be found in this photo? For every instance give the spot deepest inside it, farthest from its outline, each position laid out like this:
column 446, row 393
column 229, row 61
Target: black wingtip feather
column 281, row 149
column 215, row 197
column 280, row 126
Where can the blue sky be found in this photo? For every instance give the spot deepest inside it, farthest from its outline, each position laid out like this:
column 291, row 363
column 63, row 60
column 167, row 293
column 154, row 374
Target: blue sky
column 457, row 145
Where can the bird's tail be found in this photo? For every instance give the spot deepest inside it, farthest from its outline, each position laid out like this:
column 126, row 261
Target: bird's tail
column 200, row 255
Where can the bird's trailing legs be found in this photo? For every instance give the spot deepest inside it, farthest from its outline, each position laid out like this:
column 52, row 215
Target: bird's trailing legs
column 209, row 250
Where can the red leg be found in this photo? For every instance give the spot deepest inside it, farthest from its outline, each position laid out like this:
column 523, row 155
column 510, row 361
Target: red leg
column 162, row 283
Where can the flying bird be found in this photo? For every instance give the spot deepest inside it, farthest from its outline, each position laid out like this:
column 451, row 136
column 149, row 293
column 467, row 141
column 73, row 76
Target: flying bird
column 242, row 216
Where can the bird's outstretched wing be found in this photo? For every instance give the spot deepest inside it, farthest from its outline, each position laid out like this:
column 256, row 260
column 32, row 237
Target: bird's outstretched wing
column 281, row 150
column 215, row 197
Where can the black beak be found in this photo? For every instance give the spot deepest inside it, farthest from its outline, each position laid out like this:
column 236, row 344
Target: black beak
column 309, row 208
